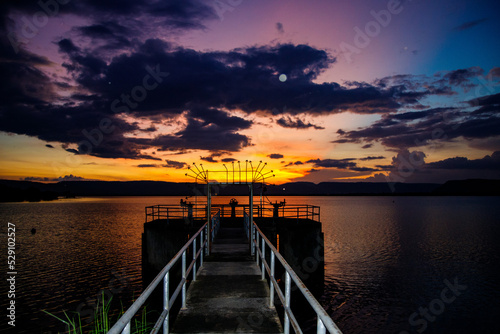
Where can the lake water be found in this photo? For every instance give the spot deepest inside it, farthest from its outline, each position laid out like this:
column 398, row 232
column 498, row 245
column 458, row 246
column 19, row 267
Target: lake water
column 392, row 264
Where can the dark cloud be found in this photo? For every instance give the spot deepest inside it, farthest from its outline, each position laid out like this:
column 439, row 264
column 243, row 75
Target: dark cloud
column 208, row 129
column 49, row 146
column 463, row 76
column 147, row 166
column 240, row 79
column 411, row 166
column 208, row 159
column 372, row 158
column 486, row 101
column 221, row 119
column 488, row 162
column 420, row 128
column 296, row 163
column 275, row 156
column 172, row 14
column 363, row 169
column 279, row 27
column 228, row 160
column 346, row 166
column 416, row 87
column 174, row 164
column 406, row 166
column 384, row 167
column 199, row 87
column 113, row 34
column 470, row 24
column 297, row 123
column 333, row 163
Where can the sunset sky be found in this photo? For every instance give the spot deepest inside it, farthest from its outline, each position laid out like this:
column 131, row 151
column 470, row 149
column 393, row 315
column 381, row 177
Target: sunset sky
column 322, row 90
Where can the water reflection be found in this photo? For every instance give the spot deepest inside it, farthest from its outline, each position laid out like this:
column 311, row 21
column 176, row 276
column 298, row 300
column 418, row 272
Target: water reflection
column 385, row 257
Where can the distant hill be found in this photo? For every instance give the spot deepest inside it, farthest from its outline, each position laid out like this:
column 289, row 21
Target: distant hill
column 13, row 192
column 35, row 191
column 353, row 188
column 473, row 187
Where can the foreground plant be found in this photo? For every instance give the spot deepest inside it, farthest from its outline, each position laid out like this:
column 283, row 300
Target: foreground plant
column 103, row 320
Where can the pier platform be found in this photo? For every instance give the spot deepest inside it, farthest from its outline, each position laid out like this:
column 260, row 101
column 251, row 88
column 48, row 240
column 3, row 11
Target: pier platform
column 228, row 295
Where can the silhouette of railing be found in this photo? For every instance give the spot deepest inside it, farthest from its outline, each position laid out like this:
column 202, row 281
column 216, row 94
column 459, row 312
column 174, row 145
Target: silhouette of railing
column 168, row 212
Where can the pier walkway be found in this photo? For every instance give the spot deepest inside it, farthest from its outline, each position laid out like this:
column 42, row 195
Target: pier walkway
column 231, row 272
column 229, row 295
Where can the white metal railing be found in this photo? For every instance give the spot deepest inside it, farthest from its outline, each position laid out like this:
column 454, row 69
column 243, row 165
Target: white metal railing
column 123, row 325
column 324, row 322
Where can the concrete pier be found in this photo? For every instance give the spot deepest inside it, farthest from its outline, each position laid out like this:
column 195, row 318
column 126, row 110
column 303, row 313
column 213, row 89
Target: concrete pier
column 228, row 295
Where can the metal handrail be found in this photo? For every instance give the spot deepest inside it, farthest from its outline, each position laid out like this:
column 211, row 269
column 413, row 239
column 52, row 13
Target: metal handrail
column 168, row 211
column 298, row 211
column 324, row 321
column 123, row 325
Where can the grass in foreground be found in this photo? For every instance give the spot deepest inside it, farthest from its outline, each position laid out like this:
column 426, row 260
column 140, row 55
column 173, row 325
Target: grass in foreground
column 103, row 320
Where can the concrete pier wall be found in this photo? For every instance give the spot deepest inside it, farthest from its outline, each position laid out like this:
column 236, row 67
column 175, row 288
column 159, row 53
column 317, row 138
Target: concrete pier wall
column 160, row 243
column 300, row 242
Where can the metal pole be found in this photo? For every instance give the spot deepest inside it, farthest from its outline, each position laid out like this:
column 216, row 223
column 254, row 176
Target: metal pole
column 252, row 230
column 126, row 330
column 263, row 250
column 166, row 301
column 194, row 259
column 207, row 249
column 320, row 329
column 209, row 217
column 287, row 302
column 256, row 251
column 201, row 248
column 271, row 285
column 184, row 277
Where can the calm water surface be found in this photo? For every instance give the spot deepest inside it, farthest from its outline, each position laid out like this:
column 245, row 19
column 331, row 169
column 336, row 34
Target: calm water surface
column 393, row 264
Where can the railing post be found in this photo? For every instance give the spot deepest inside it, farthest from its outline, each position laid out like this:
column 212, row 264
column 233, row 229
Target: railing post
column 194, row 259
column 271, row 285
column 207, row 249
column 201, row 248
column 209, row 216
column 166, row 301
column 320, row 329
column 257, row 246
column 287, row 302
column 252, row 236
column 126, row 330
column 184, row 277
column 252, row 245
column 263, row 250
column 213, row 229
